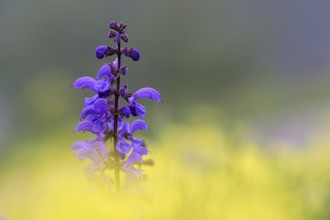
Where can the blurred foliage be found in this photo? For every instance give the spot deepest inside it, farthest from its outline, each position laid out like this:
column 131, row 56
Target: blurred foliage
column 200, row 173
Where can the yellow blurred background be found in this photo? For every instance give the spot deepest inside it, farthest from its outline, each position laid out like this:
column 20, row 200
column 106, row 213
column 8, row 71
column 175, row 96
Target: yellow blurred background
column 203, row 174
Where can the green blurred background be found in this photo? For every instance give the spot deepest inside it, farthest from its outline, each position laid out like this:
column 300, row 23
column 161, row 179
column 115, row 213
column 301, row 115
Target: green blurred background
column 260, row 66
column 264, row 63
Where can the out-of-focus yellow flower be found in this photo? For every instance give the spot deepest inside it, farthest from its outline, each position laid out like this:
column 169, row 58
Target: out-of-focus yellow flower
column 199, row 174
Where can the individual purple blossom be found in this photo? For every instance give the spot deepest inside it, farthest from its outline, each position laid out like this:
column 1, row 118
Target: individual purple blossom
column 105, row 112
column 97, row 116
column 92, row 149
column 146, row 93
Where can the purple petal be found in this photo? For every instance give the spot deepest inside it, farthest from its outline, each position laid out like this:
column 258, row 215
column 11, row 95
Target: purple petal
column 89, row 110
column 138, row 147
column 85, row 150
column 133, row 158
column 85, row 82
column 104, row 71
column 138, row 125
column 101, row 147
column 125, row 111
column 85, row 126
column 101, row 105
column 78, row 145
column 137, row 110
column 146, row 93
column 103, row 85
column 123, row 147
column 115, row 63
column 125, row 130
column 90, row 101
column 120, row 123
column 99, row 126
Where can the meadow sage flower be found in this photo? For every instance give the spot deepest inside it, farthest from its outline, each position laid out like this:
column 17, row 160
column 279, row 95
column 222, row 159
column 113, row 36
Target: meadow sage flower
column 104, row 113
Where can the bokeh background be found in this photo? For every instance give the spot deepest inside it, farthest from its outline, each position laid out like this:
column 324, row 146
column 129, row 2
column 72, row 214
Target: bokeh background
column 242, row 132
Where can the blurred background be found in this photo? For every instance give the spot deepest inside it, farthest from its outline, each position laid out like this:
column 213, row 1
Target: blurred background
column 255, row 71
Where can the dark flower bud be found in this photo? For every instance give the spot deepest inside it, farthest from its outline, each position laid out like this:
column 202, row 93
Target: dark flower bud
column 135, row 54
column 131, row 52
column 100, row 50
column 124, row 37
column 123, row 70
column 117, row 39
column 123, row 91
column 122, row 25
column 112, row 34
column 104, row 51
column 114, row 26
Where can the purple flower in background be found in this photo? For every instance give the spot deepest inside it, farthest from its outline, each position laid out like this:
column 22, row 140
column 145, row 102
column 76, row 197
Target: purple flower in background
column 104, row 113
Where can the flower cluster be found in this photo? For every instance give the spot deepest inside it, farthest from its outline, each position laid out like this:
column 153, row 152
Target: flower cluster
column 104, row 115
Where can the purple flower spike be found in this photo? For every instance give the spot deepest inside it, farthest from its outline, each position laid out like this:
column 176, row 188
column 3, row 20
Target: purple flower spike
column 146, row 93
column 104, row 115
column 85, row 82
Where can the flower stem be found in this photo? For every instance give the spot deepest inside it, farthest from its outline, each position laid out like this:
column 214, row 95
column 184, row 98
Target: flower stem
column 115, row 126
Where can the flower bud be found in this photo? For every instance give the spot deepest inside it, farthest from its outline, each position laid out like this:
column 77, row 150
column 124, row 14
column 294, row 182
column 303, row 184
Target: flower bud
column 123, row 70
column 132, row 53
column 123, row 91
column 104, row 51
column 114, row 26
column 124, row 37
column 112, row 34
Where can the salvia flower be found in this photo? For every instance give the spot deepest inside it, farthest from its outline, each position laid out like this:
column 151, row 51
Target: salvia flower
column 105, row 112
